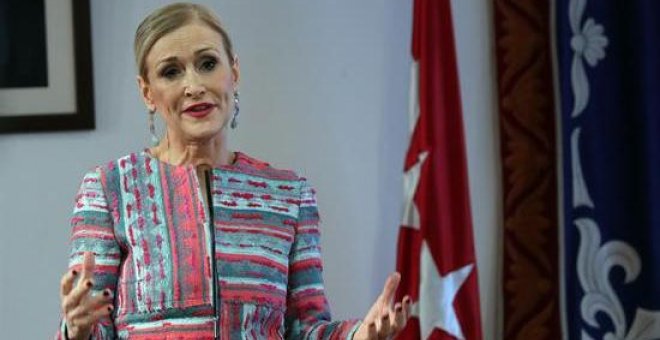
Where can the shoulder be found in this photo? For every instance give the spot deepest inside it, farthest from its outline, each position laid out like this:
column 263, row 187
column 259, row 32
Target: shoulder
column 109, row 172
column 256, row 167
column 279, row 178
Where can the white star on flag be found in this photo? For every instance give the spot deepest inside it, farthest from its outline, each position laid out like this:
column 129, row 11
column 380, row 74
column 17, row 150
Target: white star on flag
column 410, row 182
column 437, row 219
column 435, row 307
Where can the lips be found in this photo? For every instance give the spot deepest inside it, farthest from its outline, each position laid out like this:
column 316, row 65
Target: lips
column 199, row 110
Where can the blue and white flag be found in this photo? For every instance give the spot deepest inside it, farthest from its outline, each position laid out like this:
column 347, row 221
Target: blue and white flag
column 608, row 68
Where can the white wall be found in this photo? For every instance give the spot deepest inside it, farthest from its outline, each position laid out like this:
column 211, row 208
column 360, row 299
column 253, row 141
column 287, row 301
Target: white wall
column 324, row 90
column 473, row 29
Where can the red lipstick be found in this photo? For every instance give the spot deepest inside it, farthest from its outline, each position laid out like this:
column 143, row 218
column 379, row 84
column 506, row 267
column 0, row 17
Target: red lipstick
column 199, row 110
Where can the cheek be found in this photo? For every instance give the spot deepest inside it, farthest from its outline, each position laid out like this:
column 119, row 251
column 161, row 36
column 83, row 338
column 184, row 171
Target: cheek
column 229, row 82
column 225, row 93
column 225, row 83
column 165, row 99
column 229, row 91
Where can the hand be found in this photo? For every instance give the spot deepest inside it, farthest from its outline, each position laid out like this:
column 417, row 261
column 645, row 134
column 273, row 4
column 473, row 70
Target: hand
column 384, row 321
column 80, row 308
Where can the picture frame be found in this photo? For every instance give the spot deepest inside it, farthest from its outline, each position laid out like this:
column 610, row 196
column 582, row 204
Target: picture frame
column 67, row 101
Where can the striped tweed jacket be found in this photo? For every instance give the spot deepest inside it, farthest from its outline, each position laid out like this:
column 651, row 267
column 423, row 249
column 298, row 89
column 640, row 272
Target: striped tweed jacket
column 146, row 222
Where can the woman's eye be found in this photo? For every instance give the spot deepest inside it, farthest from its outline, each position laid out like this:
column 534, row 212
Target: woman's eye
column 208, row 64
column 169, row 72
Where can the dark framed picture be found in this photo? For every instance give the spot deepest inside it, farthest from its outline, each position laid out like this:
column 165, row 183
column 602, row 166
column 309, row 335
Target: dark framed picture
column 46, row 81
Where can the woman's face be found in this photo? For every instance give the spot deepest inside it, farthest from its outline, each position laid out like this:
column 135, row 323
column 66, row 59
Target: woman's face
column 191, row 82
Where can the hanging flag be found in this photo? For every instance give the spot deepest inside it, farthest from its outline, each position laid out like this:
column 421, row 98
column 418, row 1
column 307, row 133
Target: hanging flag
column 435, row 249
column 608, row 56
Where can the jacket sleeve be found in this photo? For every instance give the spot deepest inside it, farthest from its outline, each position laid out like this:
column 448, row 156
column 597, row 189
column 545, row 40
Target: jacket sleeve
column 308, row 312
column 92, row 230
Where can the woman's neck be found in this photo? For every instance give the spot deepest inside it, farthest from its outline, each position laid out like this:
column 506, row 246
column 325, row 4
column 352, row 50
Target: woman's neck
column 206, row 153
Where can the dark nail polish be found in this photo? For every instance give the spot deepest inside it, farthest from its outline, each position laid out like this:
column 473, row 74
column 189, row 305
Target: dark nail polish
column 398, row 308
column 74, row 273
column 110, row 309
column 106, row 293
column 89, row 284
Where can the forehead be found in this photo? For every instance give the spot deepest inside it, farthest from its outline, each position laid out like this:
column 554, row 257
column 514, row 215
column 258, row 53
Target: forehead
column 185, row 41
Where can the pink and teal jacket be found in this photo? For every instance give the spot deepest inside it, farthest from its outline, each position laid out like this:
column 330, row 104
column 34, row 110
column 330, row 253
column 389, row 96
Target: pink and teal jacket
column 146, row 222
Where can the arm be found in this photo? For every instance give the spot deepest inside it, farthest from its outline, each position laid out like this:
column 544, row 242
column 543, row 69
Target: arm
column 308, row 313
column 92, row 231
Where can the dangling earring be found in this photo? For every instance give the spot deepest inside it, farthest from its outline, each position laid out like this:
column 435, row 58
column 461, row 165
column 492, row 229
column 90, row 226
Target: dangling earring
column 234, row 118
column 152, row 128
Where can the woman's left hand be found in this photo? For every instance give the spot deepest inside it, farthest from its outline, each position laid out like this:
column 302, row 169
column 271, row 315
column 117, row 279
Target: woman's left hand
column 384, row 320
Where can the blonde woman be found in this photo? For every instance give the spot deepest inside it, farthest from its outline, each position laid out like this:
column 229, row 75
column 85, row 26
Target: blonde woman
column 150, row 259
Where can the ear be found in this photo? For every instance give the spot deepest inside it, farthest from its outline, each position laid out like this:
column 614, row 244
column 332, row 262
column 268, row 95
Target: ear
column 236, row 72
column 145, row 91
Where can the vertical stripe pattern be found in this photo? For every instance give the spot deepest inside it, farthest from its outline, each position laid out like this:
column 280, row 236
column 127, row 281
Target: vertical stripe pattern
column 145, row 222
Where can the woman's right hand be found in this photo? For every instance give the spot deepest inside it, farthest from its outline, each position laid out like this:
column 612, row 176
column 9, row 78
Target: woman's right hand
column 81, row 309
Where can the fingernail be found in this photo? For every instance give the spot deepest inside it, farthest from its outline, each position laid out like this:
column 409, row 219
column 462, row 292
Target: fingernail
column 372, row 325
column 74, row 272
column 110, row 308
column 89, row 284
column 398, row 308
column 384, row 317
column 106, row 293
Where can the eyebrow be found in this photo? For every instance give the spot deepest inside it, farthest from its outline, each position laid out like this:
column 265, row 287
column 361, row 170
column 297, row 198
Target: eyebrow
column 173, row 58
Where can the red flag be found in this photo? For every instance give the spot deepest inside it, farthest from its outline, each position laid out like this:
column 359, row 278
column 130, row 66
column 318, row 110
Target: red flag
column 435, row 249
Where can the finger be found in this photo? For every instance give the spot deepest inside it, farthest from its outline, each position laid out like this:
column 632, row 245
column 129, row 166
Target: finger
column 76, row 314
column 81, row 312
column 385, row 329
column 99, row 300
column 383, row 302
column 88, row 265
column 66, row 284
column 399, row 318
column 392, row 316
column 90, row 306
column 86, row 318
column 390, row 288
column 74, row 298
column 406, row 306
column 371, row 331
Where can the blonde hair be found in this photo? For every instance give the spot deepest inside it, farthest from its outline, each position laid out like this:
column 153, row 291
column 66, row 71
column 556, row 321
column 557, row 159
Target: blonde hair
column 169, row 18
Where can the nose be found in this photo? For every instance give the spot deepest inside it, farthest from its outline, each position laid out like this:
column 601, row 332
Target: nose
column 194, row 87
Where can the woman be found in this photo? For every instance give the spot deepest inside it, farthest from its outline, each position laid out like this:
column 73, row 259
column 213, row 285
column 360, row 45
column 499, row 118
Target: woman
column 140, row 265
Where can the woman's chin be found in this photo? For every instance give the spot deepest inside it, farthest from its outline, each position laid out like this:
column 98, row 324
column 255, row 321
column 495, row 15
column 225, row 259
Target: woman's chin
column 201, row 132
